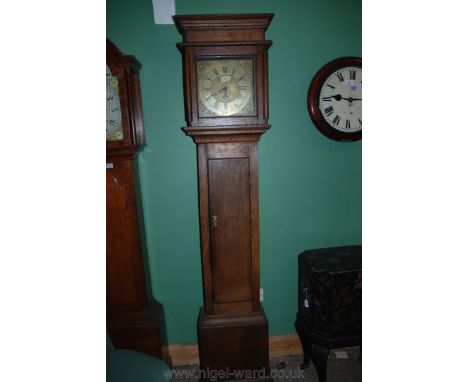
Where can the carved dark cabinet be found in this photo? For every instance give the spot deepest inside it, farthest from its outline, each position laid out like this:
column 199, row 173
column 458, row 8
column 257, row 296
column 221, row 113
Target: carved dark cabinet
column 329, row 302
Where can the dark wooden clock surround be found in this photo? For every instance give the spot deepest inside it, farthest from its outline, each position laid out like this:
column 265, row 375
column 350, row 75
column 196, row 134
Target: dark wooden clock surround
column 232, row 326
column 134, row 319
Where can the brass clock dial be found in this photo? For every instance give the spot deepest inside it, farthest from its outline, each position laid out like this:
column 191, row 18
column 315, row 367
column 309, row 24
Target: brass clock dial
column 114, row 130
column 226, row 87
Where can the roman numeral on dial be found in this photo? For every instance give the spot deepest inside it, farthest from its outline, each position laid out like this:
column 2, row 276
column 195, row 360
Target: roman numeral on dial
column 336, row 120
column 352, row 74
column 328, row 111
column 340, row 76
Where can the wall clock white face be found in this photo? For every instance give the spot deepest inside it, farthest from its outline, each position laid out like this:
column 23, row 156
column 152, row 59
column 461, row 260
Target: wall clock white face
column 340, row 99
column 114, row 131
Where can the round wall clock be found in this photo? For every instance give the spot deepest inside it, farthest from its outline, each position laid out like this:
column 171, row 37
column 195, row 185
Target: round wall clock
column 335, row 99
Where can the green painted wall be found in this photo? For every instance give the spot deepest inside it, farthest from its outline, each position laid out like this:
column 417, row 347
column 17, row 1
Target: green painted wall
column 310, row 186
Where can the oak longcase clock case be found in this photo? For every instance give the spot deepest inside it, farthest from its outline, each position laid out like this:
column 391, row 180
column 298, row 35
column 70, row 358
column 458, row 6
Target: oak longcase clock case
column 134, row 319
column 226, row 107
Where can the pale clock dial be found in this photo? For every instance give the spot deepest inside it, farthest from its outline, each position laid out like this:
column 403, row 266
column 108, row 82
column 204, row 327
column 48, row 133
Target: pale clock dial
column 340, row 99
column 226, row 87
column 114, row 130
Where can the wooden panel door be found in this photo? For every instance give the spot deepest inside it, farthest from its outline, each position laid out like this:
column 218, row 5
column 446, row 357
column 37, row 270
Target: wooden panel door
column 229, row 204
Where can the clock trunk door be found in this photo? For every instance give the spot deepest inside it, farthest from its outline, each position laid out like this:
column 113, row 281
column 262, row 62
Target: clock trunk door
column 229, row 204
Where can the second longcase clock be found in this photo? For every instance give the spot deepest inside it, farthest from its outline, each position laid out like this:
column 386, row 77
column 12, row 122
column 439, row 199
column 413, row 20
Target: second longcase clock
column 226, row 107
column 135, row 320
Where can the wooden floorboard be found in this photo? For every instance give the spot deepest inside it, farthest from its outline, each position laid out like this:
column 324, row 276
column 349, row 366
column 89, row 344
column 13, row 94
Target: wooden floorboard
column 187, row 354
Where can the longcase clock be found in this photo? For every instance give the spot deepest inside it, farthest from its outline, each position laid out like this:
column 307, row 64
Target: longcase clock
column 134, row 319
column 226, row 107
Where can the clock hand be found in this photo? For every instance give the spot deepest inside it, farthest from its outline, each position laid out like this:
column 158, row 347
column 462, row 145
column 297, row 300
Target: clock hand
column 351, row 99
column 215, row 93
column 338, row 97
column 226, row 98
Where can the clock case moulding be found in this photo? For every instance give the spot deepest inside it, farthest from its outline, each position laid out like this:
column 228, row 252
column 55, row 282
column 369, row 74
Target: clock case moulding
column 135, row 320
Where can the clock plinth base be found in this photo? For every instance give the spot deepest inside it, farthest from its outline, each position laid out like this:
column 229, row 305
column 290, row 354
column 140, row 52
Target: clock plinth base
column 142, row 330
column 234, row 344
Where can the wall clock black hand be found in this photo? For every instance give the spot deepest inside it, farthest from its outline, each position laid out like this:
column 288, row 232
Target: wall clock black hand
column 351, row 99
column 338, row 97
